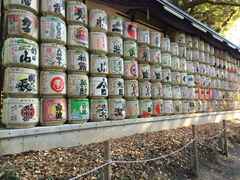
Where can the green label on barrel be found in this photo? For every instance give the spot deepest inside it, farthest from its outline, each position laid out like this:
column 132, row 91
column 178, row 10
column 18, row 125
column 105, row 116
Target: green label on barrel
column 79, row 109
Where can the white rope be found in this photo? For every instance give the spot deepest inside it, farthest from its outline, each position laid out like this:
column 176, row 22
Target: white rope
column 91, row 171
column 126, row 162
column 154, row 159
column 213, row 137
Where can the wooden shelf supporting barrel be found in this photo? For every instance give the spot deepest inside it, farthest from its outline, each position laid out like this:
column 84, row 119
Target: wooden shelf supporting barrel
column 43, row 138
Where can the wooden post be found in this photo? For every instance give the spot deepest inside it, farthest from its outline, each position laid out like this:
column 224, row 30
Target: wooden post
column 107, row 157
column 225, row 142
column 195, row 159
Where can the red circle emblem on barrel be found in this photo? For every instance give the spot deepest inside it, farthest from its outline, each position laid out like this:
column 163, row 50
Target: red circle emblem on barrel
column 57, row 84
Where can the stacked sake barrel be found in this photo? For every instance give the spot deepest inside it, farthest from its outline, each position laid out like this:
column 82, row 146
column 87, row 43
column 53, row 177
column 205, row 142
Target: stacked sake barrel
column 98, row 24
column 188, row 90
column 166, row 62
column 131, row 71
column 78, row 62
column 145, row 86
column 53, row 80
column 117, row 105
column 156, row 72
column 21, row 62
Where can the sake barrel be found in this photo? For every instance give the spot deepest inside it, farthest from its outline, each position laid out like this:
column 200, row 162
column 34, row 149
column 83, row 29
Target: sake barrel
column 156, row 73
column 195, row 42
column 53, row 7
column 175, row 63
column 77, row 60
column 99, row 64
column 20, row 52
column 53, row 29
column 189, row 54
column 77, row 12
column 182, row 51
column 192, row 106
column 117, row 108
column 116, row 66
column 144, row 71
column 183, row 78
column 201, row 57
column 99, row 109
column 116, row 87
column 145, row 89
column 174, row 49
column 184, row 92
column 166, row 60
column 207, row 58
column 115, row 45
column 143, row 35
column 98, row 20
column 155, row 39
column 176, row 77
column 22, row 23
column 98, row 42
column 201, row 46
column 78, row 36
column 146, row 108
column 157, row 90
column 20, row 112
column 31, row 5
column 131, row 89
column 20, row 81
column 143, row 54
column 53, row 56
column 185, row 107
column 165, row 44
column 155, row 56
column 180, row 37
column 190, row 67
column 189, row 41
column 78, row 110
column 176, row 92
column 130, row 49
column 78, row 85
column 132, row 108
column 130, row 30
column 177, row 107
column 131, row 69
column 168, row 107
column 52, row 83
column 53, row 111
column 196, row 67
column 115, row 25
column 167, row 91
column 157, row 107
column 195, row 54
column 212, row 50
column 183, row 65
column 98, row 87
column 166, row 75
column 190, row 80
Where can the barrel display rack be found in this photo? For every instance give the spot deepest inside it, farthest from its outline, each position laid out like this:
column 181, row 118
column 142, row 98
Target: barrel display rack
column 69, row 135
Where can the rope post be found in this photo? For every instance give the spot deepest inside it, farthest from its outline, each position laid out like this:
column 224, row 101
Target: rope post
column 107, row 156
column 225, row 142
column 195, row 159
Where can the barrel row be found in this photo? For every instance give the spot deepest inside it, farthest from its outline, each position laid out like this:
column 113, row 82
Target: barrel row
column 116, row 68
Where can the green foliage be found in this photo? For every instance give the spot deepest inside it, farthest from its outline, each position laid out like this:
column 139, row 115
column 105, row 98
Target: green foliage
column 219, row 15
column 8, row 173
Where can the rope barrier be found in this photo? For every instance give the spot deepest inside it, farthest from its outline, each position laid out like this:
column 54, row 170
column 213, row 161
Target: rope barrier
column 145, row 160
column 154, row 159
column 130, row 162
column 91, row 171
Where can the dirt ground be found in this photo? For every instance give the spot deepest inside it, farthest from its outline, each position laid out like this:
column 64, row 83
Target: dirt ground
column 64, row 163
